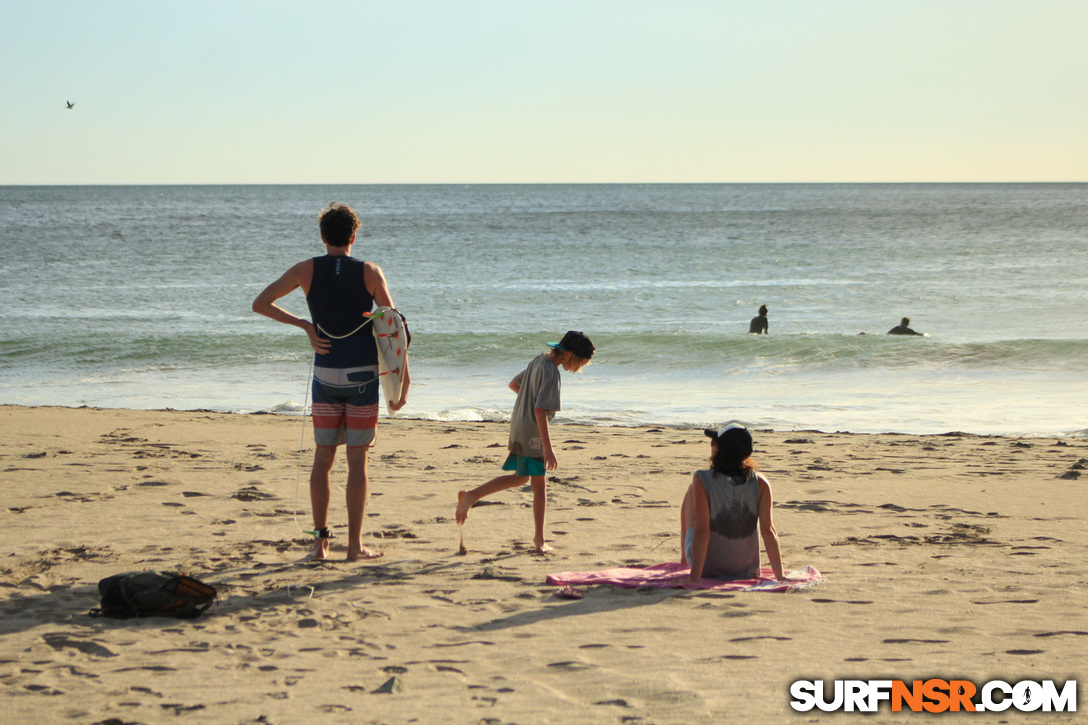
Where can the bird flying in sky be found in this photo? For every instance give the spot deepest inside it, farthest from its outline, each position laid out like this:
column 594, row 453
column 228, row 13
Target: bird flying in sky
column 70, row 104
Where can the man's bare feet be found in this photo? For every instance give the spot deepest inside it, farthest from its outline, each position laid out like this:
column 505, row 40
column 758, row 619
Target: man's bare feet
column 463, row 505
column 321, row 550
column 363, row 552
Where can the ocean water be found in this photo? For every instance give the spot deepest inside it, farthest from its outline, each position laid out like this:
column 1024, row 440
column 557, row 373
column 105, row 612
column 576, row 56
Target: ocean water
column 139, row 297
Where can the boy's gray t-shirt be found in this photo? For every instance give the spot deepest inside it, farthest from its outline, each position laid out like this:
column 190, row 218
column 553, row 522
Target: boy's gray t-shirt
column 539, row 388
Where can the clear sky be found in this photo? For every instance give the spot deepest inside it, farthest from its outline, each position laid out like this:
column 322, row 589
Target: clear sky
column 463, row 91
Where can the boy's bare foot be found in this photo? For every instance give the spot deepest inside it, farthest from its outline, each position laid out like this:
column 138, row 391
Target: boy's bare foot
column 542, row 547
column 364, row 552
column 463, row 505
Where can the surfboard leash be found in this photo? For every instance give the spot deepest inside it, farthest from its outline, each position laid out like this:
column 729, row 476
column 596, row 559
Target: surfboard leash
column 370, row 316
column 302, row 449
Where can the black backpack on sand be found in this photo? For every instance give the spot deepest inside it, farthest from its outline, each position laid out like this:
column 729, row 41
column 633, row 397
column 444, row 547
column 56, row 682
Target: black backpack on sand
column 153, row 593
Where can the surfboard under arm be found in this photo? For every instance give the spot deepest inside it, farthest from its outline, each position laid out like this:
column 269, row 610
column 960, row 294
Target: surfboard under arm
column 392, row 341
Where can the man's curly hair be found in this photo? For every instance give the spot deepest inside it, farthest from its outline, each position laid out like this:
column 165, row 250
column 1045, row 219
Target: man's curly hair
column 338, row 223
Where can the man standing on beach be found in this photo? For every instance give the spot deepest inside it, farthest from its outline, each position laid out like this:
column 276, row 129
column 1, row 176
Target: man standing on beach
column 339, row 289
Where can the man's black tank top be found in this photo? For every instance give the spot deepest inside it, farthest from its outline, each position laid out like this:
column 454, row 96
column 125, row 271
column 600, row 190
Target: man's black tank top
column 337, row 300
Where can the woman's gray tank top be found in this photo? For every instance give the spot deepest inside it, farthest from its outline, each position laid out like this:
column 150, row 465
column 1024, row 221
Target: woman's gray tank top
column 733, row 552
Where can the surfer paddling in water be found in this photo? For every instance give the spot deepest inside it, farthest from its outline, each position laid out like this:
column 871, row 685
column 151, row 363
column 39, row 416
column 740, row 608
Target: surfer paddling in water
column 759, row 324
column 531, row 453
column 340, row 290
column 903, row 328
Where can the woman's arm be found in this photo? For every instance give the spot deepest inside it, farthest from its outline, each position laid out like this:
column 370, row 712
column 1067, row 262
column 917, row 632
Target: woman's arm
column 687, row 513
column 701, row 524
column 766, row 528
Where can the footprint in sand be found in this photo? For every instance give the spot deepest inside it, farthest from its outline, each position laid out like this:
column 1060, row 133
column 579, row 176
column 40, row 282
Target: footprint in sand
column 497, row 573
column 394, row 532
column 43, row 690
column 252, row 493
column 145, row 690
column 448, row 668
column 570, row 666
column 60, row 641
column 179, row 708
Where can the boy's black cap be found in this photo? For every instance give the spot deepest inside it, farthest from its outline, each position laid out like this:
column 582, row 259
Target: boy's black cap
column 734, row 437
column 575, row 342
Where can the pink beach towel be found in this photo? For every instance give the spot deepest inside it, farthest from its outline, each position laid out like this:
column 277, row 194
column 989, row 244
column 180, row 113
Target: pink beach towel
column 661, row 576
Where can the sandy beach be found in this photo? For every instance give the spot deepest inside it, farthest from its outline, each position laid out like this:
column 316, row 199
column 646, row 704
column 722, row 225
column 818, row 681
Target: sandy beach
column 951, row 556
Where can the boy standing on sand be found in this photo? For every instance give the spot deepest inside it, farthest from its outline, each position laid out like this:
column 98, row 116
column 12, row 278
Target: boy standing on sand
column 339, row 290
column 531, row 453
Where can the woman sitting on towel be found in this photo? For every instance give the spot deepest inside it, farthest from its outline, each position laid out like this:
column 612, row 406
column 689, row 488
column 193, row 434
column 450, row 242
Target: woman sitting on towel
column 721, row 509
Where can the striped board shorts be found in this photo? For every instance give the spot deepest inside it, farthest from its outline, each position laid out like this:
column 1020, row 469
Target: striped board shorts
column 345, row 406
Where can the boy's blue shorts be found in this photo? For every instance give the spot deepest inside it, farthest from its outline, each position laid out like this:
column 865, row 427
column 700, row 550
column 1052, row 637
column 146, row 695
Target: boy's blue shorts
column 523, row 466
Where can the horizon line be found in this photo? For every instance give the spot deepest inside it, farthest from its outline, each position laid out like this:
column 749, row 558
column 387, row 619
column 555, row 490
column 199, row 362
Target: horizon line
column 546, row 183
